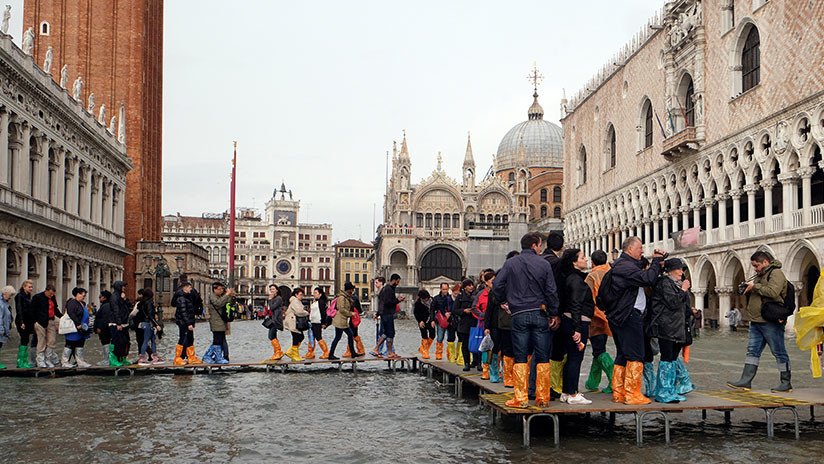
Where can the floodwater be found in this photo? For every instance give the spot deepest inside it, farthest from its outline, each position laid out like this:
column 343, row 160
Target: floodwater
column 320, row 415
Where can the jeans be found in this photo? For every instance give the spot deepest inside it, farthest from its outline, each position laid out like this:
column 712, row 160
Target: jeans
column 273, row 333
column 572, row 368
column 530, row 329
column 629, row 339
column 449, row 332
column 349, row 340
column 767, row 333
column 148, row 338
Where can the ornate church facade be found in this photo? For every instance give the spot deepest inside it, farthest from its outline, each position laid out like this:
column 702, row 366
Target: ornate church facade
column 705, row 120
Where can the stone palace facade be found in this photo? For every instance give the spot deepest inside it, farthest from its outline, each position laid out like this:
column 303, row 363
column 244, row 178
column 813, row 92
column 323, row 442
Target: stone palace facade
column 711, row 117
column 62, row 183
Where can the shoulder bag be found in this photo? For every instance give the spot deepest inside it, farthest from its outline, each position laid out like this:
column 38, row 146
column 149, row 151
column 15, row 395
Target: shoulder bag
column 66, row 324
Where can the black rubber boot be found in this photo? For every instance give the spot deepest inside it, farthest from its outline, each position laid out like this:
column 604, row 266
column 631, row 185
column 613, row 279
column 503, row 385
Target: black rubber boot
column 745, row 382
column 785, row 383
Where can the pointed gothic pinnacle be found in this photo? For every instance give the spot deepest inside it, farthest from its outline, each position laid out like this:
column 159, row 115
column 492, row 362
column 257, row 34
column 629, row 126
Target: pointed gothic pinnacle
column 469, row 159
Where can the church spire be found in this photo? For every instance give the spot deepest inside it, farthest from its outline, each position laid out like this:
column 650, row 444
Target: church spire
column 469, row 165
column 404, row 155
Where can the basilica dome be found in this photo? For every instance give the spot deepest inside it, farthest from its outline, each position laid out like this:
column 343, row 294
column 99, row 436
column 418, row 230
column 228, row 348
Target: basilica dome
column 543, row 142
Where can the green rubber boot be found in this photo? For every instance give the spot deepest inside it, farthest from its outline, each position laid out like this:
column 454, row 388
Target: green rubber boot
column 594, row 379
column 607, row 364
column 114, row 361
column 23, row 357
column 2, row 366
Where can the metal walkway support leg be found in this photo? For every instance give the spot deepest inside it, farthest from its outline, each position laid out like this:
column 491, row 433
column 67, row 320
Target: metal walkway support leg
column 639, row 425
column 770, row 413
column 556, row 427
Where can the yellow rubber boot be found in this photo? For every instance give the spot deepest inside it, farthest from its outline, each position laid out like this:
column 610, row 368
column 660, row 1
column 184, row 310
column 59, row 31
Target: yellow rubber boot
column 293, row 353
column 459, row 359
column 450, row 351
column 557, row 375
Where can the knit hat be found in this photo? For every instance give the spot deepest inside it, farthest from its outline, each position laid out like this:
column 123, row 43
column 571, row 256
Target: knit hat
column 673, row 264
column 348, row 286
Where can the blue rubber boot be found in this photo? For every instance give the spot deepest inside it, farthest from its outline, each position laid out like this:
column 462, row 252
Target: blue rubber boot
column 209, row 355
column 649, row 379
column 665, row 389
column 494, row 371
column 683, row 382
column 217, row 355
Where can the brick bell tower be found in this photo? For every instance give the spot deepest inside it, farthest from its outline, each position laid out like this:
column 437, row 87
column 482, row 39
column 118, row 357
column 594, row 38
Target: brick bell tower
column 117, row 47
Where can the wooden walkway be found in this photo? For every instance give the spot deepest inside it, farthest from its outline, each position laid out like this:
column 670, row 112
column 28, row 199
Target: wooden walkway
column 495, row 395
column 404, row 363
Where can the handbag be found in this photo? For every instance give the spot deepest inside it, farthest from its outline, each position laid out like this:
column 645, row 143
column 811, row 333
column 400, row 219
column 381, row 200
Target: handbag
column 66, row 324
column 356, row 319
column 476, row 336
column 268, row 322
column 302, row 323
column 443, row 322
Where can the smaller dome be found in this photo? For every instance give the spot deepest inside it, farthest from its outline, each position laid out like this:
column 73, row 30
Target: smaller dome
column 535, row 111
column 543, row 142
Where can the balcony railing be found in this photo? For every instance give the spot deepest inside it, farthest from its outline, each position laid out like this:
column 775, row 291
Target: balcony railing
column 817, row 215
column 683, row 142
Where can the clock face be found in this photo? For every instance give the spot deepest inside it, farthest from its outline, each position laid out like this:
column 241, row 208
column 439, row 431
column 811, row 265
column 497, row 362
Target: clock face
column 284, row 266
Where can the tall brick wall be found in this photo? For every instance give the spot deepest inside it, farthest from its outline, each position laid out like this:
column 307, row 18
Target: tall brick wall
column 117, row 46
column 792, row 57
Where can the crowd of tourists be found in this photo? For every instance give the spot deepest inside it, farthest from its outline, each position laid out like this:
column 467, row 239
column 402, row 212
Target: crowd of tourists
column 526, row 324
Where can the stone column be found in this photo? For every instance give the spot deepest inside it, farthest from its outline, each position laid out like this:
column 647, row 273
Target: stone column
column 42, row 268
column 87, row 196
column 107, row 206
column 806, row 200
column 4, row 152
column 722, row 216
column 4, row 256
column 24, row 266
column 674, row 216
column 43, row 170
column 685, row 217
column 789, row 186
column 59, row 284
column 724, row 299
column 23, row 172
column 656, row 234
column 699, row 303
column 751, row 189
column 696, row 214
column 73, row 276
column 60, row 181
column 85, row 273
column 768, row 185
column 736, row 214
column 647, row 235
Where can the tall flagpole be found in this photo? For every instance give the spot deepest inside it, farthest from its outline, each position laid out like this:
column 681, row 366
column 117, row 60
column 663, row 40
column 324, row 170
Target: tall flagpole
column 232, row 219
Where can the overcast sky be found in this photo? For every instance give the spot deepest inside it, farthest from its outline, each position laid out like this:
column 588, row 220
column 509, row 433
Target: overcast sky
column 315, row 92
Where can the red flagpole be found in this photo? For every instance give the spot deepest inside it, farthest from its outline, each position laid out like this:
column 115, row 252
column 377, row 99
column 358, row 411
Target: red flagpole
column 232, row 220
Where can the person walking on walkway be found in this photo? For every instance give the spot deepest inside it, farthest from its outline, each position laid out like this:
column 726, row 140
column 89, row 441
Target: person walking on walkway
column 380, row 283
column 629, row 280
column 454, row 320
column 102, row 318
column 578, row 310
column 425, row 317
column 146, row 320
column 185, row 319
column 318, row 319
column 75, row 341
column 293, row 311
column 442, row 309
column 275, row 308
column 218, row 323
column 119, row 325
column 670, row 317
column 25, row 320
column 463, row 307
column 356, row 308
column 344, row 305
column 768, row 286
column 389, row 304
column 6, row 298
column 47, row 314
column 734, row 315
column 527, row 285
column 599, row 328
column 491, row 309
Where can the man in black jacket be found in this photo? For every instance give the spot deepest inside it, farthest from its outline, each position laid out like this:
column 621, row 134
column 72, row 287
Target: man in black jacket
column 47, row 315
column 558, row 357
column 626, row 318
column 388, row 304
column 119, row 325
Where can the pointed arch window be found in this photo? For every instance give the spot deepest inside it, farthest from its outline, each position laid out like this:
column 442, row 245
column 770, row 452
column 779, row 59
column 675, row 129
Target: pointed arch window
column 556, row 213
column 751, row 60
column 582, row 166
column 556, row 194
column 689, row 105
column 543, row 196
column 648, row 125
column 611, row 146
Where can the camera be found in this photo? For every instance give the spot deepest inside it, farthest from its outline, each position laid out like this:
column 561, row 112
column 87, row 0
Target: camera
column 742, row 287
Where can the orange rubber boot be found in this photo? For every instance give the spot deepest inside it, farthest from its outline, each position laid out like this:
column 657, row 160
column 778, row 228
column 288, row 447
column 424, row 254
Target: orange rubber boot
column 348, row 352
column 310, row 353
column 277, row 353
column 422, row 348
column 521, row 398
column 633, row 380
column 439, row 351
column 619, row 395
column 509, row 380
column 179, row 356
column 190, row 355
column 359, row 346
column 542, row 384
column 325, row 349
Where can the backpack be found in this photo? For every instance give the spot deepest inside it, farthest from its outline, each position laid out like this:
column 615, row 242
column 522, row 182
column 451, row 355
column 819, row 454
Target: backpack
column 332, row 309
column 229, row 312
column 607, row 297
column 773, row 311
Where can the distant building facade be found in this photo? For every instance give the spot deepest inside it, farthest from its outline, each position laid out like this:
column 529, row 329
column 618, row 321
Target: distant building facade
column 353, row 264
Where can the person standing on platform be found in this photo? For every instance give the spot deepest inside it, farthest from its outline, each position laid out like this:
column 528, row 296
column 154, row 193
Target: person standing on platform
column 505, row 331
column 670, row 317
column 442, row 309
column 389, row 305
column 557, row 358
column 185, row 319
column 6, row 298
column 274, row 305
column 119, row 325
column 47, row 315
column 146, row 321
column 527, row 285
column 768, row 286
column 216, row 306
column 599, row 328
column 25, row 320
column 102, row 318
column 578, row 310
column 344, row 305
column 629, row 280
column 317, row 319
column 463, row 307
column 380, row 283
column 488, row 309
column 75, row 341
column 454, row 320
column 356, row 308
column 424, row 316
column 293, row 311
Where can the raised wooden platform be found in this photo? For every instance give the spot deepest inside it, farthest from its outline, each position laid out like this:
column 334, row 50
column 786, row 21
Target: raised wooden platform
column 283, row 365
column 495, row 395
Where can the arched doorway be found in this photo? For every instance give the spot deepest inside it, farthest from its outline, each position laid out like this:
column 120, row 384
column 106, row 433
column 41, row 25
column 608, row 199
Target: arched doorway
column 802, row 265
column 441, row 262
column 707, row 281
column 398, row 264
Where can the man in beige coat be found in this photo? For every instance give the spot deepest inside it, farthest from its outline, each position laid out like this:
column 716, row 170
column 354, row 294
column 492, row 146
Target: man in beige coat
column 343, row 305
